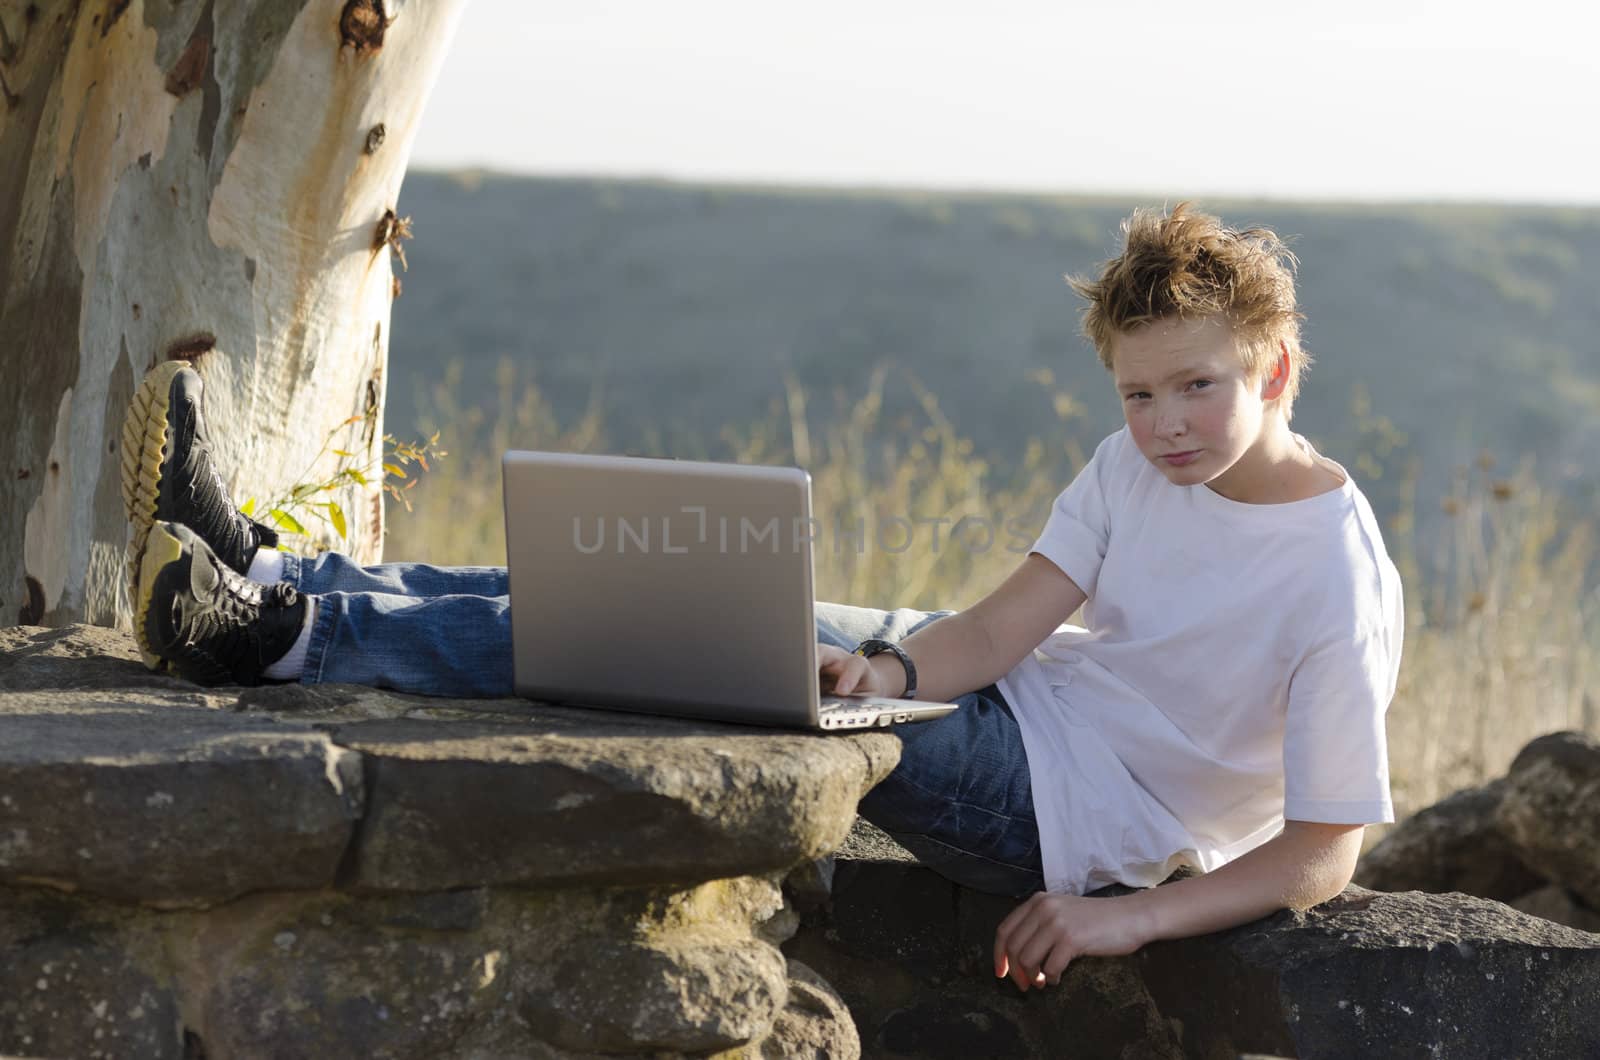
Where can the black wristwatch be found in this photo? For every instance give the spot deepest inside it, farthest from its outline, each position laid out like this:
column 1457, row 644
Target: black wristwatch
column 868, row 648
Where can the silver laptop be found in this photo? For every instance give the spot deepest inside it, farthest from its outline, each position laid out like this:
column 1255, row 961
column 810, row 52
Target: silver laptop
column 672, row 587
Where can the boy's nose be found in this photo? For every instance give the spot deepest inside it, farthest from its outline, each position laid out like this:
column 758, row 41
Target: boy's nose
column 1170, row 426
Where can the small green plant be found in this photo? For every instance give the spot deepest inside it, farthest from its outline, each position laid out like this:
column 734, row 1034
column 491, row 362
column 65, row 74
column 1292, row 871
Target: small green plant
column 300, row 503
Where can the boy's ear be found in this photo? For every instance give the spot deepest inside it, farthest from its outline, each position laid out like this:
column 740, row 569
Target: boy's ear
column 1276, row 378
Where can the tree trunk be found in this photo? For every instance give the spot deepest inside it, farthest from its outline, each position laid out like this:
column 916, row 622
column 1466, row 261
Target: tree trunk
column 211, row 180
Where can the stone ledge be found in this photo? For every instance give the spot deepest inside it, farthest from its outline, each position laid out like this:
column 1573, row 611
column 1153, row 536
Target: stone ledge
column 118, row 782
column 466, row 975
column 1367, row 974
column 341, row 871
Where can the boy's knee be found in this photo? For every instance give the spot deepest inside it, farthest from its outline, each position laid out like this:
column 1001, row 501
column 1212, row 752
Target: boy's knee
column 845, row 625
column 917, row 619
column 857, row 624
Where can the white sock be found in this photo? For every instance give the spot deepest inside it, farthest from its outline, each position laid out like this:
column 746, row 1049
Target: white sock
column 289, row 667
column 267, row 567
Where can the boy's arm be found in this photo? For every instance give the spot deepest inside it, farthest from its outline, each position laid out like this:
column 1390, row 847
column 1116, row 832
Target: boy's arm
column 973, row 648
column 1305, row 864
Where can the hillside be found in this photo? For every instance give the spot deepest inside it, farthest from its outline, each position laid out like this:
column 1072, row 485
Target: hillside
column 1472, row 328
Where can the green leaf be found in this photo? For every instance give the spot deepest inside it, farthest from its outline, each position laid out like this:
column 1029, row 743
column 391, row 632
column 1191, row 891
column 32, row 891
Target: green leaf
column 336, row 513
column 286, row 521
column 342, row 452
column 249, row 506
column 358, row 476
column 394, row 469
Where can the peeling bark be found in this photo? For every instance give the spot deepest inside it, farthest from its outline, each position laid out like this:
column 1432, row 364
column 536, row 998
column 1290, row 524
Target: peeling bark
column 198, row 179
column 192, row 65
column 391, row 233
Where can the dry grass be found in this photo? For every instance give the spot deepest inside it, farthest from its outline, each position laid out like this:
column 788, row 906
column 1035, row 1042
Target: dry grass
column 458, row 518
column 1501, row 643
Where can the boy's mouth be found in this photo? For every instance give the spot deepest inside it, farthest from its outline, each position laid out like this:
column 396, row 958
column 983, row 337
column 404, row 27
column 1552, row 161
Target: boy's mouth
column 1179, row 459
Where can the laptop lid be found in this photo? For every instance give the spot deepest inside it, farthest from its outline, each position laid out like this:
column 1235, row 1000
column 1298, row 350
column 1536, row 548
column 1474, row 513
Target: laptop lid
column 669, row 586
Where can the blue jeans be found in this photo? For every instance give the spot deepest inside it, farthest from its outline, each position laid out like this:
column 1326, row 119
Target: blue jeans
column 435, row 631
column 960, row 798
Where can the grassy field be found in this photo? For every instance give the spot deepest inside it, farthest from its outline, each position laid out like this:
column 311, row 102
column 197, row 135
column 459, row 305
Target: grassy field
column 1501, row 593
column 673, row 305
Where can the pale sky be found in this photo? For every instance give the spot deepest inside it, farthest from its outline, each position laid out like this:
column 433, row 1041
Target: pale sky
column 1352, row 99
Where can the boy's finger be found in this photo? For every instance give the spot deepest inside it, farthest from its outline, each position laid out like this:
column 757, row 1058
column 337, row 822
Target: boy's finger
column 1032, row 955
column 1020, row 976
column 1002, row 951
column 1056, row 964
column 856, row 671
column 1027, row 943
column 1004, row 934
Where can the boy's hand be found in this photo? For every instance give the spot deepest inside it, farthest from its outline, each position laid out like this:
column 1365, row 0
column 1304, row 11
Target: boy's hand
column 844, row 673
column 1034, row 943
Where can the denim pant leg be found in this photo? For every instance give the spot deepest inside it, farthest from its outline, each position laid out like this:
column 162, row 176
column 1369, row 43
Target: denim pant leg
column 332, row 572
column 437, row 631
column 961, row 798
column 434, row 646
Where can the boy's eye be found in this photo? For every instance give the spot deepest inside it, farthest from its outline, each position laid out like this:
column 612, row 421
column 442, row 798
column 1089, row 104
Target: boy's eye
column 1137, row 395
column 1200, row 384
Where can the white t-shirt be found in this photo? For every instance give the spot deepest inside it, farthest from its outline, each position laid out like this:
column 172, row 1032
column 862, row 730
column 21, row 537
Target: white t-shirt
column 1236, row 669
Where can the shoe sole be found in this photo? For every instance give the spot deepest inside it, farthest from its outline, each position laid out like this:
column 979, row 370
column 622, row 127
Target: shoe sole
column 144, row 447
column 160, row 549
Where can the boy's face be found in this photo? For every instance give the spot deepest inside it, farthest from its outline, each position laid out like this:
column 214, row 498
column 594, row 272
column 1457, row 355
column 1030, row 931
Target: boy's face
column 1191, row 407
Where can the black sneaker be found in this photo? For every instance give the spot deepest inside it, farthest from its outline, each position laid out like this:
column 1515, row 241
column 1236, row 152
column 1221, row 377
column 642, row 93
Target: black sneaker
column 168, row 473
column 208, row 623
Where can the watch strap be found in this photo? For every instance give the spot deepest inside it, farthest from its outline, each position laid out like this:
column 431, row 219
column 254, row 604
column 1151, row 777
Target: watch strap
column 868, row 648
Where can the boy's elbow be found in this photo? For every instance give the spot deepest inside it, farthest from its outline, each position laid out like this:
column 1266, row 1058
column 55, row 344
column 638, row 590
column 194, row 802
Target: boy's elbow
column 1308, row 891
column 1333, row 887
column 1330, row 863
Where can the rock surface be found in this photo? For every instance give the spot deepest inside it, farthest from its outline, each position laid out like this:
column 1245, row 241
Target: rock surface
column 816, row 1025
column 1551, row 811
column 141, row 787
column 1453, row 845
column 1367, row 974
column 1554, row 902
column 341, row 871
column 1530, row 838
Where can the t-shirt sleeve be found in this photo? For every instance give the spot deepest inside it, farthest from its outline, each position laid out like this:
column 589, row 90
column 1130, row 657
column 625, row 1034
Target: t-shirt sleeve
column 1335, row 751
column 1079, row 525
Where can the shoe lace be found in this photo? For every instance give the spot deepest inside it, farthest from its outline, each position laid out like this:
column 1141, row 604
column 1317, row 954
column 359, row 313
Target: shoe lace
column 230, row 628
column 224, row 526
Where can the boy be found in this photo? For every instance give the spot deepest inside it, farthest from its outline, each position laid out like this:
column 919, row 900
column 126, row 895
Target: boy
column 1242, row 641
column 1243, row 638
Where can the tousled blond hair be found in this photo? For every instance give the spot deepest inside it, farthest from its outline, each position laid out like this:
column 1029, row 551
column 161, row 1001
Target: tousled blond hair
column 1190, row 265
